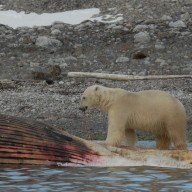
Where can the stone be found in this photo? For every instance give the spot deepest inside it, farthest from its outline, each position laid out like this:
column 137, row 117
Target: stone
column 61, row 82
column 12, row 58
column 185, row 16
column 143, row 73
column 177, row 24
column 71, row 59
column 142, row 37
column 139, row 28
column 55, row 32
column 63, row 65
column 161, row 62
column 34, row 65
column 39, row 73
column 57, row 25
column 159, row 45
column 111, row 26
column 46, row 42
column 55, row 71
column 56, row 61
column 122, row 59
column 141, row 54
column 2, row 54
column 166, row 18
column 166, row 35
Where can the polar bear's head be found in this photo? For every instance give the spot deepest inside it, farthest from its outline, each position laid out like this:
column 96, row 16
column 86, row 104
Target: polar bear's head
column 90, row 98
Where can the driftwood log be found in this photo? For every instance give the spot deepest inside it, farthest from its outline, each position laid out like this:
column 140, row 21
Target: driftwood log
column 119, row 77
column 26, row 142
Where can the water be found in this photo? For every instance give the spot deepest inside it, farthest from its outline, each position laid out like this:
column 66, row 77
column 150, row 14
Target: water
column 44, row 179
column 105, row 179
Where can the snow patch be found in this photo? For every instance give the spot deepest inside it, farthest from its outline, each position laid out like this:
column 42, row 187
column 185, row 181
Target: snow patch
column 21, row 19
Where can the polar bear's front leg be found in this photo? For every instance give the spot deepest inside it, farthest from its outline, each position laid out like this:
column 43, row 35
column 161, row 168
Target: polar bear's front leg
column 116, row 131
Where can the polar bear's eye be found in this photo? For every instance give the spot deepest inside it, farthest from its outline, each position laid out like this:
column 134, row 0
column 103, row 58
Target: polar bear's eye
column 83, row 98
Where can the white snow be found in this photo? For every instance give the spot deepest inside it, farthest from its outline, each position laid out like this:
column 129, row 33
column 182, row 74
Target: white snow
column 21, row 19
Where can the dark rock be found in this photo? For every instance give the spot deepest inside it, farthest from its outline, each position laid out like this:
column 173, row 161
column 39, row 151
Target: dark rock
column 140, row 55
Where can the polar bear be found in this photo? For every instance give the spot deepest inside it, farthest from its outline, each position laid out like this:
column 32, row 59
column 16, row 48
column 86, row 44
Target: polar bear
column 152, row 111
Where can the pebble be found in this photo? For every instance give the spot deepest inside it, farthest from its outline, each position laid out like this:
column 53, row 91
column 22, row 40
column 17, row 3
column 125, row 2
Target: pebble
column 71, row 59
column 143, row 73
column 161, row 62
column 177, row 24
column 142, row 37
column 63, row 65
column 59, row 26
column 185, row 17
column 166, row 18
column 61, row 82
column 2, row 54
column 159, row 45
column 47, row 42
column 139, row 28
column 55, row 32
column 163, row 27
column 122, row 60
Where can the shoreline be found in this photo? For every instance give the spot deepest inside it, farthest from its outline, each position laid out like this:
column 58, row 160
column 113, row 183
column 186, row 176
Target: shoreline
column 153, row 38
column 58, row 103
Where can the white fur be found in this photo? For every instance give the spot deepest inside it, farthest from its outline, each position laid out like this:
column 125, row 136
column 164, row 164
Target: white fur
column 151, row 111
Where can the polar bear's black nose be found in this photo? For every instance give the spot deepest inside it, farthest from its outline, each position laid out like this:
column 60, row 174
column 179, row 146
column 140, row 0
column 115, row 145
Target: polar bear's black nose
column 83, row 108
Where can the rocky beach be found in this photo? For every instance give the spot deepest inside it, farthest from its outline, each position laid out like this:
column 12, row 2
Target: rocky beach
column 133, row 37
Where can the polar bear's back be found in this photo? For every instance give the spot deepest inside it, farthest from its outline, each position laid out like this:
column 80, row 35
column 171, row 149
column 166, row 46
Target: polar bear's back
column 150, row 108
column 159, row 100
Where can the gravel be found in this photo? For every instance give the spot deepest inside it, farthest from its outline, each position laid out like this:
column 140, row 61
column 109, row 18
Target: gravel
column 153, row 38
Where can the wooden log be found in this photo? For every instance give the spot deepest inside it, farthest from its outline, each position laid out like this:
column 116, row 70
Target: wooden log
column 26, row 142
column 119, row 77
column 5, row 84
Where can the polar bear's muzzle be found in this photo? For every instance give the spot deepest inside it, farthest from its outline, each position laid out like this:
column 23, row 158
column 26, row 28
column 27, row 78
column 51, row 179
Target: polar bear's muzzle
column 83, row 108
